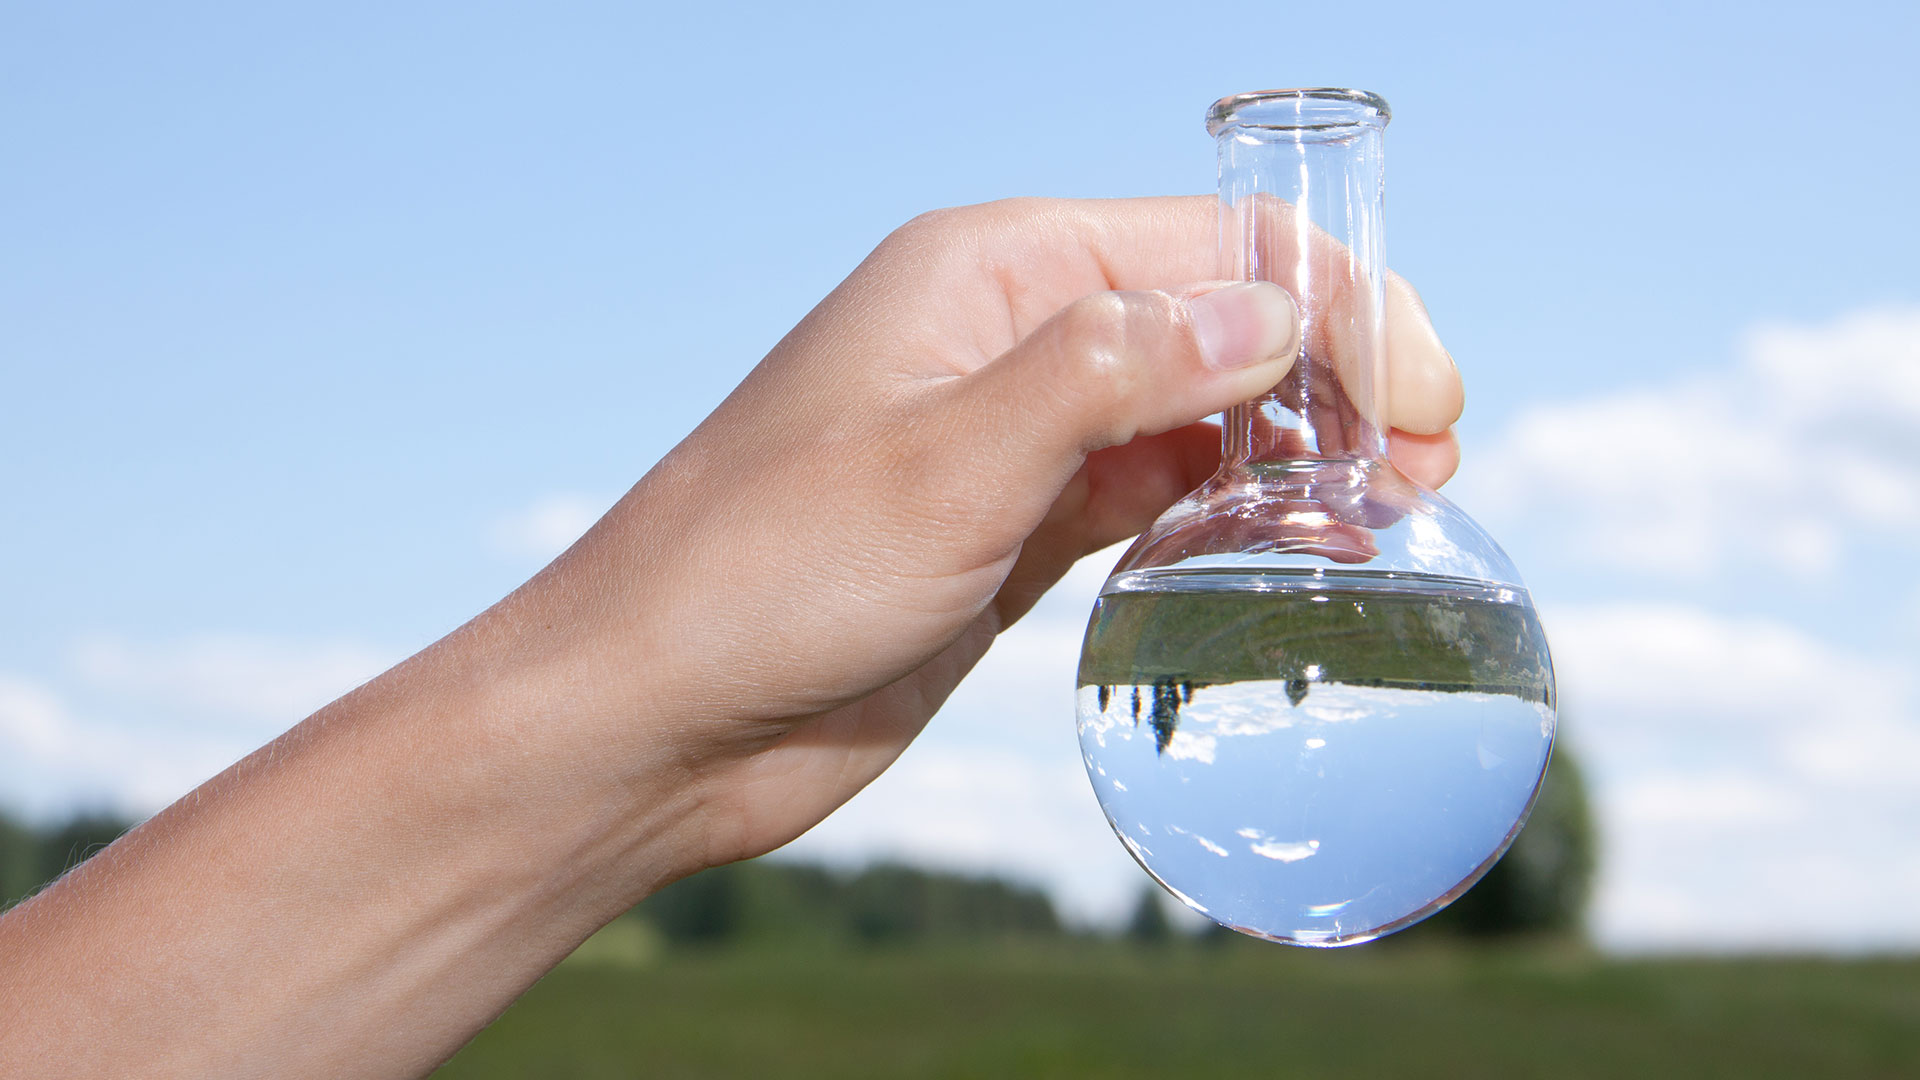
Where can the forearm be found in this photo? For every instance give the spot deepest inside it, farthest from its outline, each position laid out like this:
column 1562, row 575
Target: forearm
column 355, row 899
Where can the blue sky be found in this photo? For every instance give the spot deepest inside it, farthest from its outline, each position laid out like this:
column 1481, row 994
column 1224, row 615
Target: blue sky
column 321, row 326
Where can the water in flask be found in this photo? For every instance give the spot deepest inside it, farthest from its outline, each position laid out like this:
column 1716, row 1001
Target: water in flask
column 1314, row 757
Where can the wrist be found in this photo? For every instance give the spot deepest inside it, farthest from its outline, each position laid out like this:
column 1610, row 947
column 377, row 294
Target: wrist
column 554, row 773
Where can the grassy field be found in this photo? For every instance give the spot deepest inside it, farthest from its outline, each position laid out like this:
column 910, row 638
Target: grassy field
column 1101, row 1009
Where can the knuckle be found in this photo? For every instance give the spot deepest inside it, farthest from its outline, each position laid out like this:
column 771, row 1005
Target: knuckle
column 1019, row 211
column 1101, row 340
column 1095, row 336
column 979, row 225
column 929, row 225
column 931, row 234
column 943, row 241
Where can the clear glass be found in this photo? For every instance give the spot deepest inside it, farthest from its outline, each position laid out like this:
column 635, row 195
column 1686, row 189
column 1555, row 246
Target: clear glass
column 1314, row 699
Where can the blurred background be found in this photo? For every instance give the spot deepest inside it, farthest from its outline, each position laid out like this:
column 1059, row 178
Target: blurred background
column 323, row 326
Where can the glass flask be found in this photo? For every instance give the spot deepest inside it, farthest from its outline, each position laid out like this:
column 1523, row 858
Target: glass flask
column 1314, row 699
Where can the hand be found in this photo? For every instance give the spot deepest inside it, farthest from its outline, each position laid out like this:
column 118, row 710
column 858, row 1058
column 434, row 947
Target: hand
column 798, row 586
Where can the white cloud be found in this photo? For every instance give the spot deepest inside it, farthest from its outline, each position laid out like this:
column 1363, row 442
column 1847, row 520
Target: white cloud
column 548, row 525
column 239, row 675
column 996, row 783
column 968, row 808
column 1744, row 698
column 1638, row 660
column 1785, row 462
column 33, row 720
column 1750, row 779
column 1863, row 365
column 134, row 725
column 52, row 759
column 1690, row 799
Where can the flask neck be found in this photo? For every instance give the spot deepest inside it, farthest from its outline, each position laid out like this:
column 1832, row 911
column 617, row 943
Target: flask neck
column 1301, row 181
column 1295, row 423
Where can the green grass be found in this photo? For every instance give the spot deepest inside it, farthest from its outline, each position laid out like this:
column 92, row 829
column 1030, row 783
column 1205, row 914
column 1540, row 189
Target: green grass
column 1109, row 1010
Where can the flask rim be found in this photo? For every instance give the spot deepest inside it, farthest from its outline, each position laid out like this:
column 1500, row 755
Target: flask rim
column 1316, row 108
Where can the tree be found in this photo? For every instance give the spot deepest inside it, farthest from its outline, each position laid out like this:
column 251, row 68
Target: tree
column 19, row 862
column 1542, row 883
column 883, row 904
column 702, row 909
column 33, row 858
column 1148, row 924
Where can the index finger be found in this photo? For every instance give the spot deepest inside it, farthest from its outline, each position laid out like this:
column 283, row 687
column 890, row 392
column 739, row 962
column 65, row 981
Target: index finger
column 1004, row 268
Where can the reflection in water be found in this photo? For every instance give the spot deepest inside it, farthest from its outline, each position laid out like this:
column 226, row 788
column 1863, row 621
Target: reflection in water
column 1313, row 810
column 1359, row 753
column 1168, row 695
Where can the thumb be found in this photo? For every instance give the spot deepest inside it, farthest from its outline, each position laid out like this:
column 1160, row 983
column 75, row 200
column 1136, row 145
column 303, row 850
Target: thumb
column 1114, row 366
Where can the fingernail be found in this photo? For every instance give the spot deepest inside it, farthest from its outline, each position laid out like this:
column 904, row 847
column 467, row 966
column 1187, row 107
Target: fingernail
column 1245, row 323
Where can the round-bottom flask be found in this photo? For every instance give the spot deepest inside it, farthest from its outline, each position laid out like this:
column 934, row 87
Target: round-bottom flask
column 1314, row 699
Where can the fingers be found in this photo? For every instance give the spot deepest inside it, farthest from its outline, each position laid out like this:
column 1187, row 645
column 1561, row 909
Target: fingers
column 1021, row 260
column 1427, row 459
column 1425, row 395
column 1129, row 486
column 1114, row 496
column 1059, row 250
column 1114, row 366
column 1106, row 370
column 1045, row 253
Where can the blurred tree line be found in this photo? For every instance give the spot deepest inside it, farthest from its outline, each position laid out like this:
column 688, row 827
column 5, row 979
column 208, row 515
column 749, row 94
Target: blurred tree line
column 1542, row 883
column 883, row 904
column 1540, row 888
column 31, row 857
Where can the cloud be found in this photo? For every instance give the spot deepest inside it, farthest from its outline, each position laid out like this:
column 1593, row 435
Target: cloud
column 33, row 720
column 237, row 675
column 1862, row 367
column 1788, row 461
column 1635, row 660
column 133, row 725
column 996, row 783
column 1722, row 564
column 1748, row 776
column 548, row 525
column 1696, row 799
column 53, row 760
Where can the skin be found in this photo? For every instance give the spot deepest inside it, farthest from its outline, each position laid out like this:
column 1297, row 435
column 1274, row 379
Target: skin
column 752, row 634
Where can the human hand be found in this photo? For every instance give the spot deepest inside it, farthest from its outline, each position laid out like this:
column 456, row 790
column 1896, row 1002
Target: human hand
column 995, row 392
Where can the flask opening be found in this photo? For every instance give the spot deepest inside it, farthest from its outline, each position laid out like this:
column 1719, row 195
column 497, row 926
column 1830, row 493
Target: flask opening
column 1314, row 109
